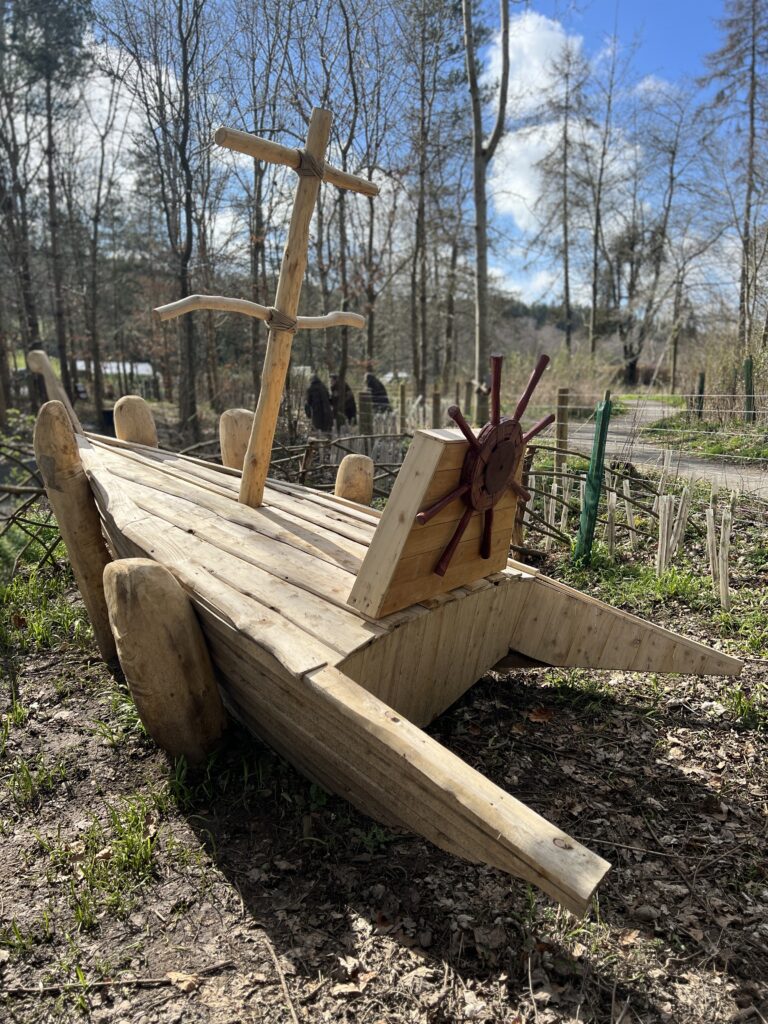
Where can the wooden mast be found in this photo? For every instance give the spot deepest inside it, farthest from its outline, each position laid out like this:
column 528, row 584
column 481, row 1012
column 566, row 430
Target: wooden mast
column 283, row 321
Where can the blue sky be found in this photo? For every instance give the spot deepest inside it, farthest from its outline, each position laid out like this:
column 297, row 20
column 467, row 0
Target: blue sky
column 672, row 35
column 667, row 40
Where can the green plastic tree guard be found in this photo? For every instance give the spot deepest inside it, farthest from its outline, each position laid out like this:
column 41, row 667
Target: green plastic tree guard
column 594, row 483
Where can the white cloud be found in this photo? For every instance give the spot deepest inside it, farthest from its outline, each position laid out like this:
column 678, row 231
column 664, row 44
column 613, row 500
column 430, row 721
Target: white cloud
column 515, row 179
column 530, row 286
column 535, row 42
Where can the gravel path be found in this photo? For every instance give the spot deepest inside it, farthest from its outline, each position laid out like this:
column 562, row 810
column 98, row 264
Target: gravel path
column 624, row 443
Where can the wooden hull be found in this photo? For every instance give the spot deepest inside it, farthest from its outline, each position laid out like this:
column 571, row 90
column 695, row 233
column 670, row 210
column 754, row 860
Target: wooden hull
column 342, row 696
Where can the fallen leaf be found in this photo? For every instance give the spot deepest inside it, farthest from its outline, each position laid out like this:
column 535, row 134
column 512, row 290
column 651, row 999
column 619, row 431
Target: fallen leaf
column 184, row 982
column 541, row 715
column 354, row 988
column 629, row 936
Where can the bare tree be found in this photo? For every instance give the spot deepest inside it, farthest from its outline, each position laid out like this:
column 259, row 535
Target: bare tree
column 482, row 155
column 739, row 67
column 163, row 40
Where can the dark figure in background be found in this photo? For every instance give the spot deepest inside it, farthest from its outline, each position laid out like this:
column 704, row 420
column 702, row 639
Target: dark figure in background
column 379, row 396
column 349, row 412
column 317, row 405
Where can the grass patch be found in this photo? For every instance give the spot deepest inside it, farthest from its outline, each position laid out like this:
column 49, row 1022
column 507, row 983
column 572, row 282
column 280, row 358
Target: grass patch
column 107, row 868
column 27, row 783
column 37, row 612
column 635, row 586
column 748, row 707
column 23, row 940
column 749, row 622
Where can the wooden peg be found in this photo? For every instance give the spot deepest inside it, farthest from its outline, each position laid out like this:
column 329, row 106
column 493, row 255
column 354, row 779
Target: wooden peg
column 71, row 499
column 164, row 656
column 354, row 479
column 235, row 427
column 134, row 421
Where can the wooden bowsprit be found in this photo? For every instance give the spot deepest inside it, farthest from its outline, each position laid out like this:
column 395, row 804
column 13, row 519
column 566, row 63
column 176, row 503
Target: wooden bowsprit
column 310, row 165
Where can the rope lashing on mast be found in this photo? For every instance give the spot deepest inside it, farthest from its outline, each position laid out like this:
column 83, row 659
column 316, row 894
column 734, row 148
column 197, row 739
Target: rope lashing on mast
column 310, row 166
column 279, row 321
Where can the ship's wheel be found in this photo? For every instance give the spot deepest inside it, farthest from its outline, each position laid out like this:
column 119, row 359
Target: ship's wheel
column 491, row 462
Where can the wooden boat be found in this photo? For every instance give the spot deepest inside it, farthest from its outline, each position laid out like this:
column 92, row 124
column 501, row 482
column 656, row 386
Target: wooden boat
column 332, row 635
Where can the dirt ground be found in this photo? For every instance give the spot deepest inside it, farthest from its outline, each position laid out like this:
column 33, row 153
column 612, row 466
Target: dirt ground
column 134, row 890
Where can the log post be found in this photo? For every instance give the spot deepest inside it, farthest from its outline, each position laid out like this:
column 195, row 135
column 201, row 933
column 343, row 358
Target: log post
column 134, row 421
column 71, row 499
column 278, row 355
column 164, row 657
column 354, row 479
column 235, row 427
column 403, row 424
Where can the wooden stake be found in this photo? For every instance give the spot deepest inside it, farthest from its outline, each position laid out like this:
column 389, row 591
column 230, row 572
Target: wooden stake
column 561, row 429
column 235, row 426
column 611, row 521
column 354, row 479
column 725, row 546
column 277, row 359
column 529, row 505
column 403, row 407
column 134, row 421
column 567, row 487
column 72, row 502
column 666, row 463
column 712, row 548
column 164, row 656
column 678, row 533
column 630, row 513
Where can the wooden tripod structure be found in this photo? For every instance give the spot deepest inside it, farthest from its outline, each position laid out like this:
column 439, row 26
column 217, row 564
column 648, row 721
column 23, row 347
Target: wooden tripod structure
column 323, row 624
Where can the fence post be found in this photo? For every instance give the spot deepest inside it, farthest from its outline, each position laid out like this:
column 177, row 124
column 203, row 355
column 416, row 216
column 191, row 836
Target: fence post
column 437, row 409
column 561, row 429
column 594, row 482
column 700, row 396
column 403, row 408
column 749, row 391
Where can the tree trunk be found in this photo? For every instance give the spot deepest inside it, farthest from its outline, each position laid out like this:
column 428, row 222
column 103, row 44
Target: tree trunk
column 53, row 227
column 482, row 156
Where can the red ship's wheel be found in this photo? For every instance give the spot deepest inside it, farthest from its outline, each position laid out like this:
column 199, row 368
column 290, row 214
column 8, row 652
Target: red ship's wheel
column 490, row 464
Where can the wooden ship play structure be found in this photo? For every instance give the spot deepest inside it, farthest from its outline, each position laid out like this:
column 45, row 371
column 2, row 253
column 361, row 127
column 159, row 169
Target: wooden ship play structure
column 332, row 631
